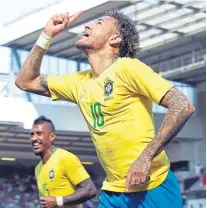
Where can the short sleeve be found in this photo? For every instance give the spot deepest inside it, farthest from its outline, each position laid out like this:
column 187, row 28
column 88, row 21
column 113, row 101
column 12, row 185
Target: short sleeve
column 141, row 79
column 73, row 169
column 65, row 87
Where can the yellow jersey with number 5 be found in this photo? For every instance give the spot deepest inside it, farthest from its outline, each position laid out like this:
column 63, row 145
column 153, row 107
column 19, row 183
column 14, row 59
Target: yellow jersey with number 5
column 117, row 107
column 59, row 175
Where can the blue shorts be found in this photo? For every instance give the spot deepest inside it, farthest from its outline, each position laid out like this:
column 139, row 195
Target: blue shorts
column 167, row 195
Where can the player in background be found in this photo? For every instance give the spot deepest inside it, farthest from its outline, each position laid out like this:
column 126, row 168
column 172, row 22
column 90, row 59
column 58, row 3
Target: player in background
column 61, row 178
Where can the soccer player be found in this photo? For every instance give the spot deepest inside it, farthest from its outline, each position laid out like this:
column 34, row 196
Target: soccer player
column 61, row 178
column 115, row 97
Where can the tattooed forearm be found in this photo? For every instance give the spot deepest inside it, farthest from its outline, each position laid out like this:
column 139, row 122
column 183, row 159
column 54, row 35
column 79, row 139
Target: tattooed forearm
column 35, row 59
column 179, row 111
column 31, row 67
column 84, row 191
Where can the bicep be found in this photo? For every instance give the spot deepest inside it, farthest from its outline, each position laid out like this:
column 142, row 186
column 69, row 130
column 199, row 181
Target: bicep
column 174, row 99
column 39, row 86
column 85, row 184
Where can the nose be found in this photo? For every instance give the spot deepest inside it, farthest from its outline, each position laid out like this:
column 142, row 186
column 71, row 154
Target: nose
column 88, row 26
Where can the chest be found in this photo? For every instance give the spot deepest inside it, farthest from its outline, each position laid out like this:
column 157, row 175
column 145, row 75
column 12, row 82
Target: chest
column 49, row 177
column 104, row 100
column 109, row 91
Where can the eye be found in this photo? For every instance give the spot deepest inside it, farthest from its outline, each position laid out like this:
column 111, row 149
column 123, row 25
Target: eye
column 99, row 22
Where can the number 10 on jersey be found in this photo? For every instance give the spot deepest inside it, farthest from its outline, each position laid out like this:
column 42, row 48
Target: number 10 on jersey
column 98, row 117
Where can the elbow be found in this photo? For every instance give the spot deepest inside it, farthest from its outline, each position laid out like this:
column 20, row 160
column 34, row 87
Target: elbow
column 20, row 84
column 91, row 192
column 193, row 109
column 190, row 109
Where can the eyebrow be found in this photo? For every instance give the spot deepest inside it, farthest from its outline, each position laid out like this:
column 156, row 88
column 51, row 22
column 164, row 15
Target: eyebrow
column 100, row 20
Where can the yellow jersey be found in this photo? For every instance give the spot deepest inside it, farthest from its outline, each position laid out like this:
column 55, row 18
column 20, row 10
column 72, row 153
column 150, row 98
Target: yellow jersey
column 60, row 174
column 117, row 107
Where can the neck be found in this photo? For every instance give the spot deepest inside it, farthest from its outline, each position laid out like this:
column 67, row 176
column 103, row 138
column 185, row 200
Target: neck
column 47, row 154
column 99, row 61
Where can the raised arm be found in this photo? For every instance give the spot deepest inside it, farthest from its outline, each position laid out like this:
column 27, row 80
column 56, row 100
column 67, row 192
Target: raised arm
column 85, row 190
column 30, row 78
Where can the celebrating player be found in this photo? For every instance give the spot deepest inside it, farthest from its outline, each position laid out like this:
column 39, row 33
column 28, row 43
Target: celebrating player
column 61, row 178
column 115, row 97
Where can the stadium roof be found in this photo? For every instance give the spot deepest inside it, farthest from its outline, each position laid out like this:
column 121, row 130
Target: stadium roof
column 172, row 32
column 157, row 21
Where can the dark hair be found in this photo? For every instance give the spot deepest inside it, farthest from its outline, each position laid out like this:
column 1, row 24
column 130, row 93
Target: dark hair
column 43, row 119
column 127, row 29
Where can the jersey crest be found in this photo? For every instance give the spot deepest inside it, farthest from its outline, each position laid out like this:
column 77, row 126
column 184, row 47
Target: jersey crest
column 108, row 87
column 51, row 174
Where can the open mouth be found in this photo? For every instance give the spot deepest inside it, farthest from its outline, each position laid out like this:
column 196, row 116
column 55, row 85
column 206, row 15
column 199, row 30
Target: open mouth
column 36, row 145
column 85, row 34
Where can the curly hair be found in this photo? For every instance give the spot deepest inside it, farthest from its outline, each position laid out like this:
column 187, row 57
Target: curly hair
column 129, row 34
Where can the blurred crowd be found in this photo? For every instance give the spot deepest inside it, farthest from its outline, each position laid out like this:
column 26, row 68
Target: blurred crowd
column 18, row 188
column 18, row 192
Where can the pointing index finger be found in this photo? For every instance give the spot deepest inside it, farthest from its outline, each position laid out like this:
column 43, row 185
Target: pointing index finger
column 75, row 16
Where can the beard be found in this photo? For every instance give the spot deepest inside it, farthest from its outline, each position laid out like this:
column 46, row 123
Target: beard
column 82, row 45
column 38, row 153
column 92, row 44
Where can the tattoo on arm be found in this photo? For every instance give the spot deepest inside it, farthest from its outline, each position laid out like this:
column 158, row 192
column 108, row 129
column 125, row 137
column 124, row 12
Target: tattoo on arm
column 180, row 110
column 43, row 81
column 40, row 86
column 35, row 61
column 84, row 191
column 29, row 78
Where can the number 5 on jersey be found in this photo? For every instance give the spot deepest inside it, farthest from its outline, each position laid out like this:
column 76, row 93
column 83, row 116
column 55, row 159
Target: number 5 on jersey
column 98, row 117
column 45, row 190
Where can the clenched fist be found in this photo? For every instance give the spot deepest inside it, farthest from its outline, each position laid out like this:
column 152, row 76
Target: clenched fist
column 138, row 172
column 48, row 202
column 59, row 22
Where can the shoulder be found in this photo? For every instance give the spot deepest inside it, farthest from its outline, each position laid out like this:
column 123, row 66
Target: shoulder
column 38, row 167
column 66, row 155
column 131, row 68
column 86, row 73
column 71, row 77
column 80, row 74
column 128, row 60
column 128, row 65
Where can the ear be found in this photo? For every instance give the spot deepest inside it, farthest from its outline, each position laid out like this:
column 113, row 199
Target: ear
column 115, row 41
column 52, row 137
